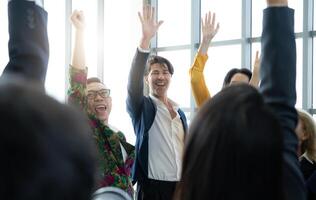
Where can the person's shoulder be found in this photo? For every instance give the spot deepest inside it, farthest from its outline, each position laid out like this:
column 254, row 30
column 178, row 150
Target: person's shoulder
column 113, row 128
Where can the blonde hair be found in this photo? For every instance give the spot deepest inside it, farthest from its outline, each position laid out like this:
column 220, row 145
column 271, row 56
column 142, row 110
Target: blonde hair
column 309, row 145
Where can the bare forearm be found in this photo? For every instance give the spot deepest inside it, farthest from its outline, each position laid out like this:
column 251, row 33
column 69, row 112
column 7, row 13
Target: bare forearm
column 78, row 59
column 144, row 43
column 204, row 46
column 254, row 81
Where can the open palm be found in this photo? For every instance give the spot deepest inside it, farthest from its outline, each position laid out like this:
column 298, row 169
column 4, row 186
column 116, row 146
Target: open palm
column 148, row 21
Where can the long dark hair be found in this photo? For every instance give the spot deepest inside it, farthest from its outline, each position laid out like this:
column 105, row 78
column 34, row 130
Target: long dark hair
column 234, row 149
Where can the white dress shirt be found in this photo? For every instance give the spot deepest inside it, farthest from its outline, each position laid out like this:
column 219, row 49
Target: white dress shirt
column 165, row 144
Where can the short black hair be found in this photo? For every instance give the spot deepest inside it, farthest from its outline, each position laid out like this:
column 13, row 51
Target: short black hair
column 93, row 80
column 233, row 149
column 47, row 147
column 234, row 71
column 160, row 60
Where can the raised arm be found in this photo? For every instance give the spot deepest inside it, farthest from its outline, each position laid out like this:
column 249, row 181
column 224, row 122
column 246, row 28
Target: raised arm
column 150, row 26
column 78, row 57
column 136, row 76
column 209, row 30
column 78, row 70
column 28, row 43
column 198, row 85
column 255, row 78
column 278, row 73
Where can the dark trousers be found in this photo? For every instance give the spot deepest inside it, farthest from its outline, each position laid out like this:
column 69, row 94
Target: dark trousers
column 155, row 190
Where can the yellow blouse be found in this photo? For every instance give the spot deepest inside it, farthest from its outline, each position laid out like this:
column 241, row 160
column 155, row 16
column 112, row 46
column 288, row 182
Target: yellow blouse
column 199, row 89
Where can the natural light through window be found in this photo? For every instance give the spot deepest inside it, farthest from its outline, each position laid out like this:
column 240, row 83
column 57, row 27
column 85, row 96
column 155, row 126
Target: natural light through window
column 299, row 73
column 4, row 37
column 55, row 79
column 221, row 60
column 258, row 6
column 122, row 32
column 176, row 15
column 91, row 33
column 228, row 16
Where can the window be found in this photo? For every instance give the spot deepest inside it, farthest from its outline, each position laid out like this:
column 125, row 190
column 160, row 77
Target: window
column 314, row 78
column 229, row 17
column 299, row 74
column 221, row 60
column 120, row 43
column 258, row 6
column 4, row 36
column 91, row 33
column 176, row 15
column 55, row 79
column 314, row 15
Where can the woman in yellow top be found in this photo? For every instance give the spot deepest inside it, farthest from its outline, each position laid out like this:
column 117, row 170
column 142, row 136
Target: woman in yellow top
column 199, row 88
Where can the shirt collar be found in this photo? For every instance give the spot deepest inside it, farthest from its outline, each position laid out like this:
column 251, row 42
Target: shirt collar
column 160, row 103
column 307, row 158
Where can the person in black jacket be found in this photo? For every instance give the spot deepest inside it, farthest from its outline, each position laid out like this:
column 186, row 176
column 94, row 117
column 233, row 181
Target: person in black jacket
column 46, row 147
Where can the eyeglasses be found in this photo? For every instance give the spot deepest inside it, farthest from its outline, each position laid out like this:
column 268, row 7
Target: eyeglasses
column 104, row 93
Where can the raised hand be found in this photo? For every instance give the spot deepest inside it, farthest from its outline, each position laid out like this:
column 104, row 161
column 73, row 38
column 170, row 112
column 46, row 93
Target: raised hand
column 277, row 2
column 78, row 20
column 256, row 65
column 255, row 78
column 149, row 25
column 209, row 30
column 78, row 58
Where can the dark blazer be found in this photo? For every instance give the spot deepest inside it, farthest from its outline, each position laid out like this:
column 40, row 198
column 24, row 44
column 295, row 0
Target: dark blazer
column 142, row 111
column 308, row 168
column 28, row 44
column 278, row 74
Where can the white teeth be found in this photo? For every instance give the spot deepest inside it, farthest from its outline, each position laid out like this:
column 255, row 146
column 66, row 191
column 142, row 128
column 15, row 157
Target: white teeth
column 100, row 107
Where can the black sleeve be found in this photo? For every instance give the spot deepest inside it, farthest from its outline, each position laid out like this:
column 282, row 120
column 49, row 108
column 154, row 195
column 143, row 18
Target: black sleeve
column 28, row 44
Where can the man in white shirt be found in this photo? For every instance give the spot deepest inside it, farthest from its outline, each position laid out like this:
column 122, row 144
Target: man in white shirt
column 159, row 123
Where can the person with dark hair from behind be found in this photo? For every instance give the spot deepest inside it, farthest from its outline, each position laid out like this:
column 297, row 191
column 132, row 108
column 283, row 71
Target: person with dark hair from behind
column 306, row 133
column 241, row 144
column 116, row 155
column 199, row 89
column 45, row 147
column 243, row 75
column 159, row 124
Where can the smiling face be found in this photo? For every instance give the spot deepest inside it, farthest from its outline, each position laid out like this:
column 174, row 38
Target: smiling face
column 99, row 101
column 158, row 80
